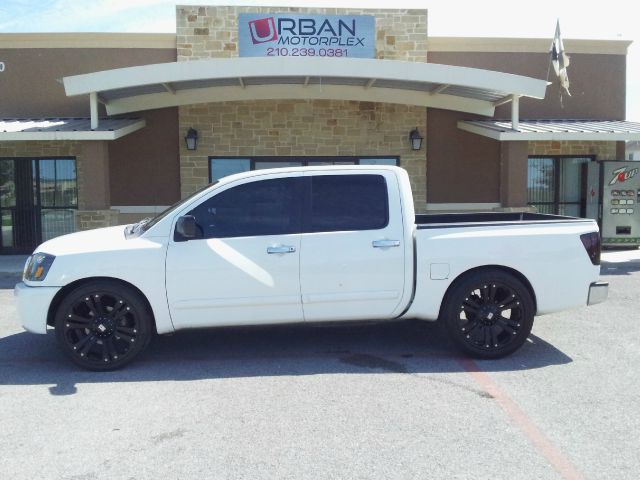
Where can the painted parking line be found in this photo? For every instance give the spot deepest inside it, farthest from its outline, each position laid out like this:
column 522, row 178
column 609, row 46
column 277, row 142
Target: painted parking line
column 538, row 439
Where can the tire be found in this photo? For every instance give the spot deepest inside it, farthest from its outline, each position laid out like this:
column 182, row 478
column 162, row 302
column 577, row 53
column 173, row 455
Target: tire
column 488, row 314
column 103, row 325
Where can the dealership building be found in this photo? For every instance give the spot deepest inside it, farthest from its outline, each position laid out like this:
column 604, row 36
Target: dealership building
column 103, row 129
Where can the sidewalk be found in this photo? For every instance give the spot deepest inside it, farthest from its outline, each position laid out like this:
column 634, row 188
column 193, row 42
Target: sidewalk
column 12, row 263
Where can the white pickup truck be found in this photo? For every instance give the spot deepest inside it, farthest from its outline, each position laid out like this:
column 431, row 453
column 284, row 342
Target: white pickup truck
column 313, row 244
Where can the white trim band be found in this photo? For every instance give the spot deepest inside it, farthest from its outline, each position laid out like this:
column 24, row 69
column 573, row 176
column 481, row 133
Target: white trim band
column 142, row 209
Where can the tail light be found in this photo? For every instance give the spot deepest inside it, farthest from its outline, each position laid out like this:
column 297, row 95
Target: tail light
column 591, row 242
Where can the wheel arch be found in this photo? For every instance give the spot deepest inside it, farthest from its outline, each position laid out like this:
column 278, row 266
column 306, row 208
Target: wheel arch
column 511, row 271
column 64, row 291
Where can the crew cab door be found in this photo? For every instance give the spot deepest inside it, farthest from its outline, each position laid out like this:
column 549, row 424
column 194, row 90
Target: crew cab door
column 352, row 252
column 245, row 268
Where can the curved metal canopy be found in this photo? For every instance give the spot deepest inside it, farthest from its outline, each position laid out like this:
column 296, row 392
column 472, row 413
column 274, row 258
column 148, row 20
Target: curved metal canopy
column 216, row 80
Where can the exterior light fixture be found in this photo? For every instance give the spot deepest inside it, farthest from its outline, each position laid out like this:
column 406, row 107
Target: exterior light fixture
column 191, row 139
column 415, row 139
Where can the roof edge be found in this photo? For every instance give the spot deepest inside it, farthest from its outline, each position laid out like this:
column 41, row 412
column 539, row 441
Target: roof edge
column 505, row 135
column 88, row 40
column 50, row 133
column 525, row 45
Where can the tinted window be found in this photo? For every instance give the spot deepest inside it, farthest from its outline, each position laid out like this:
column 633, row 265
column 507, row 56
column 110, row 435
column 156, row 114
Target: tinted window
column 265, row 207
column 348, row 202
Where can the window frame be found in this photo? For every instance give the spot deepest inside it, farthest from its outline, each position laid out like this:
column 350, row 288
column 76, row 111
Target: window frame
column 307, row 161
column 37, row 206
column 557, row 163
column 295, row 208
column 308, row 210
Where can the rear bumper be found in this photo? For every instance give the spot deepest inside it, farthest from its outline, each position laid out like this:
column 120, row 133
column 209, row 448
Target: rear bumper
column 32, row 304
column 598, row 292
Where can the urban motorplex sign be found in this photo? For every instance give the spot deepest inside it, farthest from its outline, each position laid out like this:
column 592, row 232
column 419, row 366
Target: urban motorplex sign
column 294, row 35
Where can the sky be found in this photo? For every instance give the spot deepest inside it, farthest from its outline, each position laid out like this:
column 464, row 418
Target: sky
column 588, row 19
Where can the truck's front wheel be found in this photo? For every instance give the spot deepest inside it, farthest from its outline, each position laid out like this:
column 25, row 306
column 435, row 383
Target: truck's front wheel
column 488, row 313
column 103, row 325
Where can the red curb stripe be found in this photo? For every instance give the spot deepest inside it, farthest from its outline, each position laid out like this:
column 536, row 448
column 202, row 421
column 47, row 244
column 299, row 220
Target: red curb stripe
column 539, row 440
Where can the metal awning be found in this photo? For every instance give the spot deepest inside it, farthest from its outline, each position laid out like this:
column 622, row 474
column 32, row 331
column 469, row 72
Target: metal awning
column 66, row 128
column 604, row 130
column 273, row 78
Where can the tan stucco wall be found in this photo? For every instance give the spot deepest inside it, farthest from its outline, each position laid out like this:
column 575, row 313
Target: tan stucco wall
column 212, row 32
column 301, row 128
column 602, row 150
column 89, row 214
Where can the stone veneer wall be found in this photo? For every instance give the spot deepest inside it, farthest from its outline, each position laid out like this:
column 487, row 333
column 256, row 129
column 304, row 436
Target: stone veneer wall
column 302, row 128
column 85, row 219
column 299, row 127
column 602, row 150
column 212, row 32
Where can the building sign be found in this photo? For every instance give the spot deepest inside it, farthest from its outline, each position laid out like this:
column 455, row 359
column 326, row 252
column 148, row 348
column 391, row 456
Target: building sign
column 295, row 35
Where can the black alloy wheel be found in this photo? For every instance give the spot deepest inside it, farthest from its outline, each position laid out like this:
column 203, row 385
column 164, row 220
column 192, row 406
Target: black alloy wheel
column 103, row 325
column 488, row 314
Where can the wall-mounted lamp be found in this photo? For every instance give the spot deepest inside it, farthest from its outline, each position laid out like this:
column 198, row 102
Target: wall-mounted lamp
column 191, row 139
column 415, row 139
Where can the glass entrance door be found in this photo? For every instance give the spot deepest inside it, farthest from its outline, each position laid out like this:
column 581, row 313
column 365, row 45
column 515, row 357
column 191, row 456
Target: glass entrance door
column 555, row 185
column 38, row 197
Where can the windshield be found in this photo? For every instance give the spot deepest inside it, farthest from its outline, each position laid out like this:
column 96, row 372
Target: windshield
column 147, row 223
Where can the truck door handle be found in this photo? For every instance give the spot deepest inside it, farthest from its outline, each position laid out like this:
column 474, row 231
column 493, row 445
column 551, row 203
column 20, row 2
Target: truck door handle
column 281, row 249
column 385, row 243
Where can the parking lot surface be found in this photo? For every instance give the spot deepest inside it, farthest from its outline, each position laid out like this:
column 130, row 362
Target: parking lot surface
column 360, row 401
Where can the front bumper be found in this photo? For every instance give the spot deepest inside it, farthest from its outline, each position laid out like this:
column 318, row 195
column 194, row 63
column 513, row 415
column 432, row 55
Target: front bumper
column 598, row 292
column 32, row 304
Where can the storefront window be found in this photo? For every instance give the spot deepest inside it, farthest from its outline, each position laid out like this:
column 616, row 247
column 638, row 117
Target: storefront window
column 38, row 197
column 223, row 167
column 220, row 167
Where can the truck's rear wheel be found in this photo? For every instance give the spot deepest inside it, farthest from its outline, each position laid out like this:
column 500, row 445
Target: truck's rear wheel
column 103, row 325
column 488, row 313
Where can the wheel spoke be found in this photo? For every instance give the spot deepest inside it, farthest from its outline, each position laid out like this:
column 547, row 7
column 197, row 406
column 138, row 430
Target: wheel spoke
column 126, row 330
column 118, row 311
column 111, row 348
column 470, row 326
column 469, row 307
column 505, row 324
column 105, row 351
column 80, row 343
column 492, row 291
column 484, row 292
column 97, row 302
column 89, row 303
column 121, row 333
column 510, row 304
column 88, row 345
column 472, row 301
column 75, row 321
column 487, row 335
column 494, row 335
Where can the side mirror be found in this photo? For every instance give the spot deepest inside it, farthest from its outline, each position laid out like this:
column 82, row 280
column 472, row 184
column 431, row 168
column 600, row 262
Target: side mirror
column 186, row 228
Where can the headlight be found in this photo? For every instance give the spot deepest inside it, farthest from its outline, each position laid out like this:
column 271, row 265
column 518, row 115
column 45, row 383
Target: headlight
column 37, row 267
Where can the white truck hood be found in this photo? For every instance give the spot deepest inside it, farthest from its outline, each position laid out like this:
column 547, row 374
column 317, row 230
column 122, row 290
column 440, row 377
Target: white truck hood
column 90, row 241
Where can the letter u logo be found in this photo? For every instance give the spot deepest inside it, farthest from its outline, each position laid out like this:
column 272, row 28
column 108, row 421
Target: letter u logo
column 263, row 30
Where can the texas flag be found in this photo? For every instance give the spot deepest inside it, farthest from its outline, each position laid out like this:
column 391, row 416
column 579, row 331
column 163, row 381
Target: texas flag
column 560, row 59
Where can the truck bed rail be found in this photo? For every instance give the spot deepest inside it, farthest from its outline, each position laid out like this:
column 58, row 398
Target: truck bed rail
column 443, row 220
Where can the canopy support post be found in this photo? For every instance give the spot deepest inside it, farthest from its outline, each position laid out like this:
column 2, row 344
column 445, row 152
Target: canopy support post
column 93, row 106
column 515, row 112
